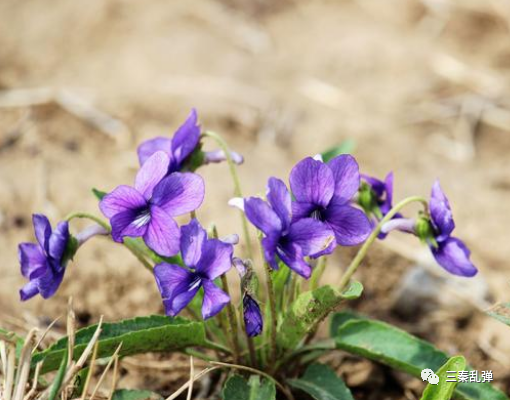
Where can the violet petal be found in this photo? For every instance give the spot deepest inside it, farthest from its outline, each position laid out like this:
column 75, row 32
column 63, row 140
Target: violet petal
column 441, row 212
column 186, row 138
column 149, row 147
column 58, row 240
column 193, row 237
column 28, row 291
column 122, row 198
column 132, row 223
column 163, row 235
column 293, row 257
column 453, row 256
column 312, row 181
column 351, row 226
column 216, row 259
column 260, row 214
column 214, row 299
column 31, row 258
column 179, row 193
column 278, row 197
column 311, row 236
column 42, row 230
column 151, row 173
column 346, row 175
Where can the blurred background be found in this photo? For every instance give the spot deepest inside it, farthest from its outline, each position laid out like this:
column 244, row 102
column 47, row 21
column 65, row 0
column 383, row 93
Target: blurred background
column 420, row 87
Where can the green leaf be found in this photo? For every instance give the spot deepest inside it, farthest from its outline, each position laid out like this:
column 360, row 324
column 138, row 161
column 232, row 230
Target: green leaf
column 501, row 312
column 238, row 388
column 98, row 193
column 340, row 318
column 59, row 378
column 79, row 382
column 444, row 389
column 139, row 335
column 13, row 338
column 309, row 309
column 280, row 277
column 345, row 147
column 386, row 344
column 127, row 394
column 322, row 383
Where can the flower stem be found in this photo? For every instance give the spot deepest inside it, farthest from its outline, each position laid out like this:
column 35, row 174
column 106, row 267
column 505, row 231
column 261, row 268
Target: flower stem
column 232, row 321
column 272, row 307
column 84, row 215
column 237, row 186
column 356, row 262
column 251, row 349
column 135, row 249
column 249, row 341
column 130, row 243
column 317, row 273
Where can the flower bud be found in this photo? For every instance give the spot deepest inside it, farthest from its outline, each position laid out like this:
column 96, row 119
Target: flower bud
column 253, row 321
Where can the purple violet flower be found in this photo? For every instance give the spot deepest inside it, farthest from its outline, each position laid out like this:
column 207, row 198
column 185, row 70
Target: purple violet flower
column 324, row 191
column 289, row 241
column 253, row 321
column 184, row 141
column 378, row 200
column 148, row 209
column 181, row 146
column 383, row 191
column 451, row 253
column 43, row 264
column 206, row 260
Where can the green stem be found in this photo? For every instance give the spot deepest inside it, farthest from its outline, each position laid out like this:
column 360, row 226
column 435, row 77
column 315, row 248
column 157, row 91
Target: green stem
column 232, row 321
column 138, row 251
column 216, row 346
column 84, row 215
column 317, row 273
column 355, row 263
column 272, row 307
column 130, row 244
column 237, row 186
column 251, row 349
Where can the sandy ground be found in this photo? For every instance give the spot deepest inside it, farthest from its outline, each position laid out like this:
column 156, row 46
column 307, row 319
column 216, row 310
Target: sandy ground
column 419, row 86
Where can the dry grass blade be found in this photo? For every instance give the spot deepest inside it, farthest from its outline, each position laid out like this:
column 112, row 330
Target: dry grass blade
column 75, row 367
column 133, row 362
column 24, row 365
column 10, row 367
column 71, row 329
column 86, row 353
column 114, row 378
column 33, row 390
column 91, row 371
column 187, row 384
column 3, row 358
column 44, row 334
column 191, row 375
column 103, row 375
